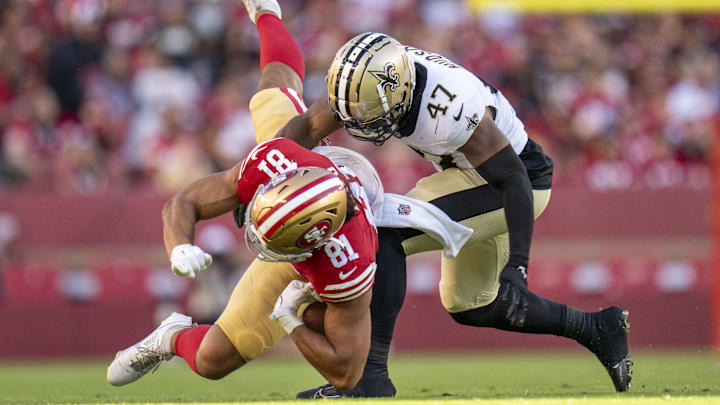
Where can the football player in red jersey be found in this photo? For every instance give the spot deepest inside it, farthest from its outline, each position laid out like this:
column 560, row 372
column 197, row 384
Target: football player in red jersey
column 311, row 223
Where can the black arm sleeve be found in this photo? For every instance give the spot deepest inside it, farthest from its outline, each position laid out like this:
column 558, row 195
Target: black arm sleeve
column 506, row 172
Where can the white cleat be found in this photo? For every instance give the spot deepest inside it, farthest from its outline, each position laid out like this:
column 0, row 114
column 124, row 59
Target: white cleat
column 135, row 361
column 254, row 7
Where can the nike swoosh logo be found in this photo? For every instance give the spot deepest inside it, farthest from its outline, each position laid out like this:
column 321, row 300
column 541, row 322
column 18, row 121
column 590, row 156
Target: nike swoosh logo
column 457, row 117
column 343, row 276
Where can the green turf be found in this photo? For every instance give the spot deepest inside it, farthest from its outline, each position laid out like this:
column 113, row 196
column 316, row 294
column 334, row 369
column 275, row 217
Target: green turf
column 534, row 379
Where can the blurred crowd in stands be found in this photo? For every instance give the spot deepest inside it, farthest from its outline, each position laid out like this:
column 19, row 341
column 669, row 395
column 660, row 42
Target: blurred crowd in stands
column 130, row 95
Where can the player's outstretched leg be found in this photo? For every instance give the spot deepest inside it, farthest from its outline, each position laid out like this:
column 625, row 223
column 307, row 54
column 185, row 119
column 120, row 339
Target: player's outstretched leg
column 281, row 62
column 518, row 309
column 205, row 348
column 135, row 361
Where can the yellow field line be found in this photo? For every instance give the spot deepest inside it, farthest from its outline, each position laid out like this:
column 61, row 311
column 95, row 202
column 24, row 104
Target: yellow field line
column 599, row 6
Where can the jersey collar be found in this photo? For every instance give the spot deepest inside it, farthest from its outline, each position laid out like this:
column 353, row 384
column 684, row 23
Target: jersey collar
column 410, row 119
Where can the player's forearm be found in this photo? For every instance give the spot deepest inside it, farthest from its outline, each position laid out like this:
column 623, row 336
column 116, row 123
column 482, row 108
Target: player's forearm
column 337, row 368
column 309, row 128
column 179, row 217
column 506, row 171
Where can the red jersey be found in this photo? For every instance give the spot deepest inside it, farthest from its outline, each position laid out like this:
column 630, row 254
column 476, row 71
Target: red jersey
column 338, row 271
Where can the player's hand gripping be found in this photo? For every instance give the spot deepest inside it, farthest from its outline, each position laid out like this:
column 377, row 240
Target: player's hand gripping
column 187, row 260
column 288, row 303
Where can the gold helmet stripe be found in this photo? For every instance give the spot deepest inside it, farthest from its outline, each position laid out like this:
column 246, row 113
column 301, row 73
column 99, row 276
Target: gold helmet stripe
column 294, row 203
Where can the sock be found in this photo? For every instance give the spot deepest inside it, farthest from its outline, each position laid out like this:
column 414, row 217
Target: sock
column 277, row 45
column 187, row 343
column 518, row 309
column 387, row 300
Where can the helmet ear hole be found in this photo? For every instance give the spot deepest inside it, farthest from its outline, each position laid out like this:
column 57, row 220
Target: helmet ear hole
column 333, row 211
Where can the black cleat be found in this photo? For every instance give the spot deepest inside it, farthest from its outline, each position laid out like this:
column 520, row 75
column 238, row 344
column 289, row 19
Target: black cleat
column 610, row 345
column 323, row 391
column 363, row 390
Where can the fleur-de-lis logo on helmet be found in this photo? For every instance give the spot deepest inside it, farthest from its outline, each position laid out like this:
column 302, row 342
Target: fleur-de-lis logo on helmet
column 387, row 77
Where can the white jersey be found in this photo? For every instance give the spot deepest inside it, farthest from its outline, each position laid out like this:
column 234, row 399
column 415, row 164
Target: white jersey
column 448, row 104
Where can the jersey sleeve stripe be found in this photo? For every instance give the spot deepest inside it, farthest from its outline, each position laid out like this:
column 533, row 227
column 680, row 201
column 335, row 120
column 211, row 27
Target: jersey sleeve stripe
column 352, row 297
column 353, row 282
column 253, row 152
column 368, row 281
column 297, row 102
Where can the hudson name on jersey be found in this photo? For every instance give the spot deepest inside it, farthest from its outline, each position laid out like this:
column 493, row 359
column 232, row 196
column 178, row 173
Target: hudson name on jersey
column 343, row 269
column 448, row 104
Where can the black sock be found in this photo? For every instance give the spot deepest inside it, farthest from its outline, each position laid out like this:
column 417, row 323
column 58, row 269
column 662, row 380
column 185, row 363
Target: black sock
column 387, row 300
column 518, row 309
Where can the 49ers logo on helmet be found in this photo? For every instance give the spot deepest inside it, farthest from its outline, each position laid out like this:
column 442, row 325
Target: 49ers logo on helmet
column 315, row 234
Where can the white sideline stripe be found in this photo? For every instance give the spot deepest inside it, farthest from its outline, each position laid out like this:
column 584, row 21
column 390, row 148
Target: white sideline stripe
column 348, row 284
column 297, row 201
column 348, row 293
column 352, row 297
column 297, row 98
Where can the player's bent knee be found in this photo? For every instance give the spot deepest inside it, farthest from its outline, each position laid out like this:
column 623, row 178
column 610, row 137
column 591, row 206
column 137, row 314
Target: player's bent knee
column 506, row 312
column 216, row 356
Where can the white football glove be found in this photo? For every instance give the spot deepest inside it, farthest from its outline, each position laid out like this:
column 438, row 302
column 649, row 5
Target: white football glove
column 187, row 260
column 288, row 303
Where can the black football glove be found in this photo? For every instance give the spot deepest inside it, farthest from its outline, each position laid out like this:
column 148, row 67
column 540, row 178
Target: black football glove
column 239, row 215
column 516, row 275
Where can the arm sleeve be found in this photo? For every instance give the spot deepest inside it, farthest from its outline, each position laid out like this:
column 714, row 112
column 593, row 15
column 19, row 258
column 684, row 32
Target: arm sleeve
column 505, row 171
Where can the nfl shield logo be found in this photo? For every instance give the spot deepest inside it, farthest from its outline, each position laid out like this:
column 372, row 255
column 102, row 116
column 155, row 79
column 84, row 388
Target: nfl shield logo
column 403, row 209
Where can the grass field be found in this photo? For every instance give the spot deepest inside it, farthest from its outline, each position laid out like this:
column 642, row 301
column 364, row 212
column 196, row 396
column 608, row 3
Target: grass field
column 533, row 379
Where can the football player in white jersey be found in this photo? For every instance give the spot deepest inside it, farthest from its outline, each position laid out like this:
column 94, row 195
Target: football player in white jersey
column 491, row 177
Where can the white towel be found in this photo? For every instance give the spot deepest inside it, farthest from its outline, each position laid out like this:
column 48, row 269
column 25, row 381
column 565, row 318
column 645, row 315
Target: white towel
column 399, row 211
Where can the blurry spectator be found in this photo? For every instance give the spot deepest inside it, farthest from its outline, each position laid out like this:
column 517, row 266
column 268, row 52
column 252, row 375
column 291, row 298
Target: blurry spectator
column 154, row 94
column 212, row 289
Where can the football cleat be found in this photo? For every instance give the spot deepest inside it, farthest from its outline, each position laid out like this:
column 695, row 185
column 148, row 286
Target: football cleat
column 135, row 361
column 256, row 6
column 611, row 346
column 363, row 390
column 327, row 391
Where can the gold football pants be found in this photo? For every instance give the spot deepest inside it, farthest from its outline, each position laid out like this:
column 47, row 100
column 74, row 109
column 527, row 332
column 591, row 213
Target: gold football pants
column 245, row 319
column 469, row 280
